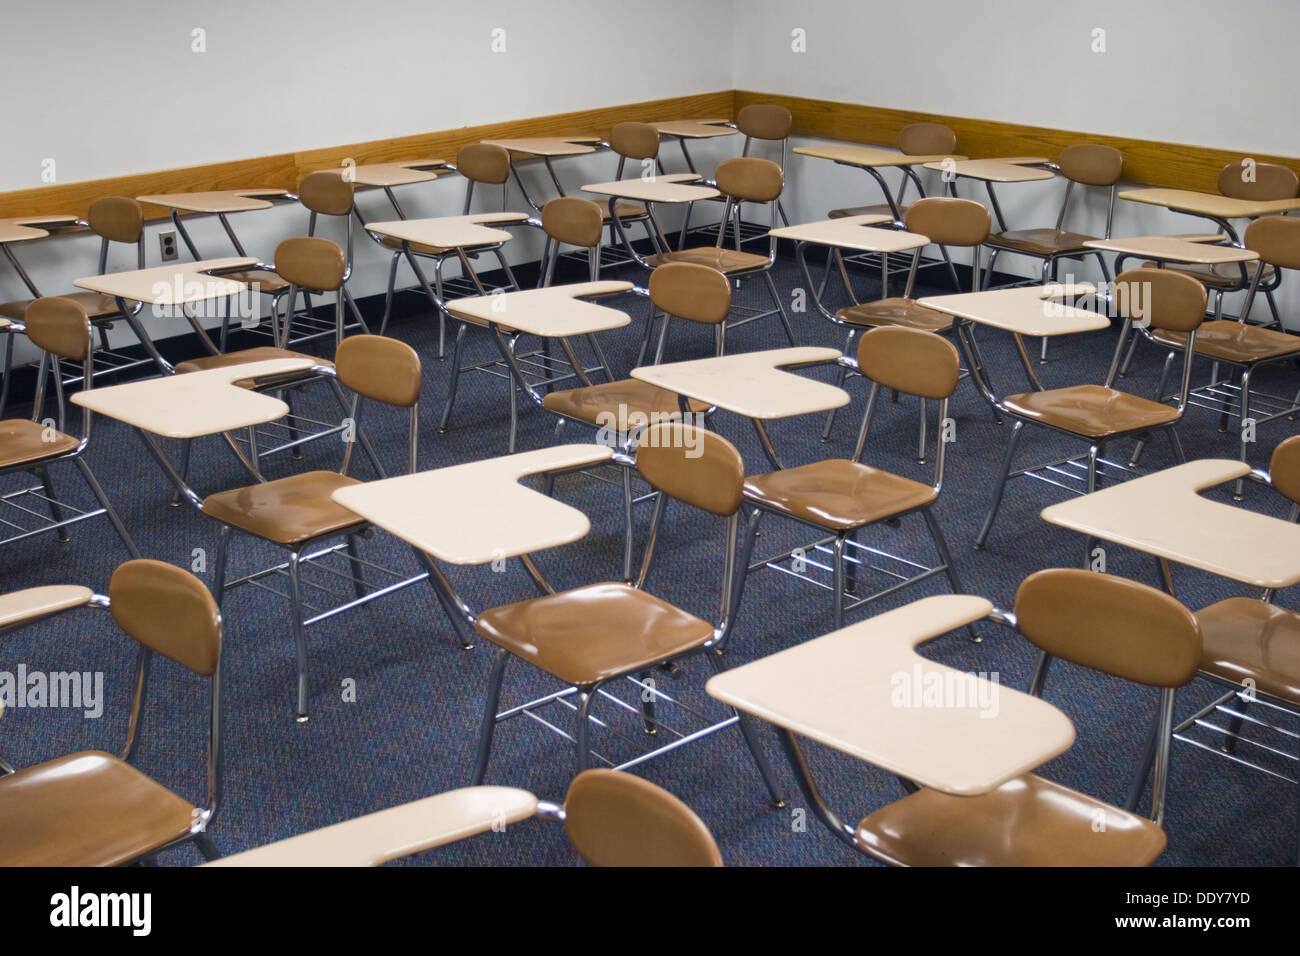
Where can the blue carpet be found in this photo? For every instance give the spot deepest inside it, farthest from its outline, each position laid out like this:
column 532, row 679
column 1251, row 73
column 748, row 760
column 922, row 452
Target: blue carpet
column 412, row 729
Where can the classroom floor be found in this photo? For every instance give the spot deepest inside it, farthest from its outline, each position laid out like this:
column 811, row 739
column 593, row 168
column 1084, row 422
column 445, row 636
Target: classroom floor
column 411, row 731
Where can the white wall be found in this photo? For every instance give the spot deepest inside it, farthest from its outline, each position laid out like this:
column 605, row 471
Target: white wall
column 289, row 75
column 292, row 74
column 1191, row 71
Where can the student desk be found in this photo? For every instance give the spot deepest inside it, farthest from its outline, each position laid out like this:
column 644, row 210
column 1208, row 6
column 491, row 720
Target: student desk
column 219, row 203
column 547, row 149
column 1014, row 169
column 1164, row 514
column 861, row 690
column 555, row 312
column 403, row 173
column 670, row 189
column 29, row 604
column 1188, row 250
column 873, row 160
column 1025, row 310
column 754, row 385
column 166, row 286
column 397, row 832
column 683, row 130
column 1211, row 205
column 852, row 234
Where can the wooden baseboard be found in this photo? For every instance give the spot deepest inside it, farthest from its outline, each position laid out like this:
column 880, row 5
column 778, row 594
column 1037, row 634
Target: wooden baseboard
column 1176, row 165
column 284, row 170
column 1158, row 164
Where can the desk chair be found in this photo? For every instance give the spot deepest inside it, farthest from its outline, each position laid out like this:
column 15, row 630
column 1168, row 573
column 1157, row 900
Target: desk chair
column 1100, row 414
column 112, row 219
column 742, row 179
column 92, row 808
column 309, row 265
column 323, row 193
column 638, row 142
column 843, row 497
column 297, row 514
column 1271, row 182
column 1253, row 646
column 590, row 636
column 622, row 409
column 962, row 223
column 758, row 122
column 61, row 328
column 1108, row 624
column 915, row 139
column 480, row 164
column 1239, row 345
column 1084, row 164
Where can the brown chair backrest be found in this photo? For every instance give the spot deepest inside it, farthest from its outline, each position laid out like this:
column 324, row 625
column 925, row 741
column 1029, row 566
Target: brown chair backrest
column 1163, row 298
column 578, row 222
column 618, row 819
column 1276, row 239
column 909, row 360
column 1267, row 181
column 926, row 139
column 310, row 262
column 634, row 140
column 1091, row 164
column 326, row 192
column 1111, row 624
column 750, row 179
column 387, row 370
column 59, row 326
column 693, row 465
column 765, row 121
column 1284, row 468
column 484, row 163
column 168, row 610
column 948, row 221
column 116, row 218
column 691, row 291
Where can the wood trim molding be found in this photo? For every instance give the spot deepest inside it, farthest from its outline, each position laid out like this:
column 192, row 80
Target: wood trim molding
column 1175, row 165
column 1158, row 164
column 285, row 170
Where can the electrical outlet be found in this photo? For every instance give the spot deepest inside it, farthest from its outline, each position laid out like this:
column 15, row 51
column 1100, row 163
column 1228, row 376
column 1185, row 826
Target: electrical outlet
column 167, row 246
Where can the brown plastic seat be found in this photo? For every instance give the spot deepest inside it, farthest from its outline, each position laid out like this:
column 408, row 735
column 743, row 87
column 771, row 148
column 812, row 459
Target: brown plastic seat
column 1109, row 624
column 1223, row 276
column 95, row 809
column 1093, row 411
column 86, row 809
column 1233, row 341
column 97, row 306
column 618, row 819
column 1247, row 639
column 879, row 209
column 726, row 261
column 1040, row 242
column 23, row 440
column 287, row 510
column 837, row 494
column 633, row 397
column 591, row 634
column 1027, row 821
column 906, row 313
